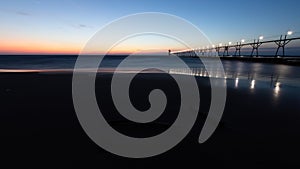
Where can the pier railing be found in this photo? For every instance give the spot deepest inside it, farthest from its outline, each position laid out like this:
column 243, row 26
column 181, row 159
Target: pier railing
column 281, row 43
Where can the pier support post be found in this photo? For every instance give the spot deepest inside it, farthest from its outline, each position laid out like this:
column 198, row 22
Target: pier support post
column 255, row 47
column 226, row 47
column 218, row 50
column 202, row 52
column 281, row 44
column 238, row 47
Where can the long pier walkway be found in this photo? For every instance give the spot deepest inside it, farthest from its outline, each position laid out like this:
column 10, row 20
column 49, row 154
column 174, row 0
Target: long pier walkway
column 281, row 43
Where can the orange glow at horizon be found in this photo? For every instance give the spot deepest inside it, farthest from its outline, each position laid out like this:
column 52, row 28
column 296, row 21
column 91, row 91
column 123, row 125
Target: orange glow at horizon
column 37, row 48
column 145, row 45
column 50, row 48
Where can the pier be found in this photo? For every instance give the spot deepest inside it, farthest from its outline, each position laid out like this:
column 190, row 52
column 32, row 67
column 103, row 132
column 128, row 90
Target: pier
column 255, row 45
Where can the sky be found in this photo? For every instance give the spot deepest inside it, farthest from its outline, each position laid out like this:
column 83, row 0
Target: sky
column 64, row 26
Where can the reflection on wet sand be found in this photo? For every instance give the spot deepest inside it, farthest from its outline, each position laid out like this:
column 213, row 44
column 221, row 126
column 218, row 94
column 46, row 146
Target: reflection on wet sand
column 252, row 84
column 276, row 81
column 252, row 78
column 236, row 82
column 276, row 88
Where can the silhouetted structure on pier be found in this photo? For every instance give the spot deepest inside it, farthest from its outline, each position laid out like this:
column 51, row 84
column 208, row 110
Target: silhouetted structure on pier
column 281, row 43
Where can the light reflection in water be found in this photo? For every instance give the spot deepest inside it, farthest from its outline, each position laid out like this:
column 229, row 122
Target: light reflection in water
column 277, row 88
column 252, row 84
column 237, row 78
column 197, row 72
column 236, row 82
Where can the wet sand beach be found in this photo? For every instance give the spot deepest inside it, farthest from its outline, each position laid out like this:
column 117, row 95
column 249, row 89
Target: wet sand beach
column 39, row 127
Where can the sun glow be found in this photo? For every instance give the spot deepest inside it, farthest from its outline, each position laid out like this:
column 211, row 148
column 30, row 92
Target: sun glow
column 32, row 47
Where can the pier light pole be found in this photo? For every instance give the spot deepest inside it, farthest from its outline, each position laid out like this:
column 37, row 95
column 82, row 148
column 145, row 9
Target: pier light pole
column 202, row 51
column 218, row 48
column 208, row 51
column 282, row 42
column 212, row 50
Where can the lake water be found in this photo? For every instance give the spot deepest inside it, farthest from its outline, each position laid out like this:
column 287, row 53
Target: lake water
column 237, row 70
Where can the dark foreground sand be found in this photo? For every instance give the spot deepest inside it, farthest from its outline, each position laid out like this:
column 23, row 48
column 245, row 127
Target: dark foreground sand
column 39, row 128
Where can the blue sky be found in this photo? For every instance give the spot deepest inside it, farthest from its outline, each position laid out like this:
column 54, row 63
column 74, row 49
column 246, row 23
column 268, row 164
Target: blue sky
column 71, row 23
